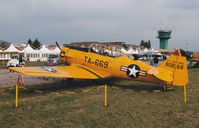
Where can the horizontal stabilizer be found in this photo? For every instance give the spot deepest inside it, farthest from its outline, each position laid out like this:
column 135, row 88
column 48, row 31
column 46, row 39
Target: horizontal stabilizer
column 161, row 74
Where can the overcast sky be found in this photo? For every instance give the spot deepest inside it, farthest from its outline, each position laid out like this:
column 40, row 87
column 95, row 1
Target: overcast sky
column 100, row 20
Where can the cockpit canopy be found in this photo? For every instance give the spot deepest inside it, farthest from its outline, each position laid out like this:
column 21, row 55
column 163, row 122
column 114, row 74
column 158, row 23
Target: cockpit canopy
column 105, row 50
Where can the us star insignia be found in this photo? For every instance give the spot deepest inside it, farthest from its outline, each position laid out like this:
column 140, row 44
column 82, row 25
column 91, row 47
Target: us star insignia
column 133, row 71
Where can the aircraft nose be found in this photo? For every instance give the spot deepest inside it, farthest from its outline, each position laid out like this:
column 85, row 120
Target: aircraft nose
column 62, row 56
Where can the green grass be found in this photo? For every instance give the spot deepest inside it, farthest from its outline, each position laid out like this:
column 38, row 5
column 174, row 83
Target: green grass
column 35, row 63
column 54, row 107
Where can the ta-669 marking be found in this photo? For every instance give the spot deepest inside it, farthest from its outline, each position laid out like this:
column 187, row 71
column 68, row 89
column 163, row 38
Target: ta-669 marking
column 96, row 62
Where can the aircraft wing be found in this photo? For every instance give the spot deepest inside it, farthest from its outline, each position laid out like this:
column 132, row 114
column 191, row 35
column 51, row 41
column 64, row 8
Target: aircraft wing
column 161, row 74
column 78, row 72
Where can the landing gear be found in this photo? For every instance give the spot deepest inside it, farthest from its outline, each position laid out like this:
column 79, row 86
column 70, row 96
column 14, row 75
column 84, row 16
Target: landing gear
column 67, row 81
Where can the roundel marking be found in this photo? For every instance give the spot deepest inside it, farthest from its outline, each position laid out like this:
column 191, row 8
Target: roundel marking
column 133, row 71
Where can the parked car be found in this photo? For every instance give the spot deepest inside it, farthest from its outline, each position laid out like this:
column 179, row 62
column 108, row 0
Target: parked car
column 16, row 61
column 13, row 62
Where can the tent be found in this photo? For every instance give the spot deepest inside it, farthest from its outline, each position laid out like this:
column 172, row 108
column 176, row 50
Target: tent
column 154, row 52
column 144, row 52
column 124, row 51
column 135, row 51
column 12, row 49
column 130, row 51
column 9, row 52
column 44, row 53
column 30, row 53
column 55, row 51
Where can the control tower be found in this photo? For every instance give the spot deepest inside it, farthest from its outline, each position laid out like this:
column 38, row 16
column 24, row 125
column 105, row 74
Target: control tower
column 164, row 36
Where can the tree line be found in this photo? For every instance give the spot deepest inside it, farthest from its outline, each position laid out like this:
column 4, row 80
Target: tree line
column 146, row 44
column 35, row 44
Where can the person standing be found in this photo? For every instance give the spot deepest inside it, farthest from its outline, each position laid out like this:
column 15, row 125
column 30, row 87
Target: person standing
column 50, row 62
column 156, row 60
column 151, row 61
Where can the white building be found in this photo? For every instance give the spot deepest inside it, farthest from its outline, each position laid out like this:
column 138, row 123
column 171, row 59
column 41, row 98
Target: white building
column 8, row 52
column 28, row 52
column 44, row 53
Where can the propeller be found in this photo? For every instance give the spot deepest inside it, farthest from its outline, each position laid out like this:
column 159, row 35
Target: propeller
column 57, row 44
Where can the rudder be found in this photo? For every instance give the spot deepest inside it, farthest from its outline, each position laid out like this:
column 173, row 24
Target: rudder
column 176, row 63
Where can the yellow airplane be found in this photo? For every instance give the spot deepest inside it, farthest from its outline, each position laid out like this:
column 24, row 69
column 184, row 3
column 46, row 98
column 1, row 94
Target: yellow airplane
column 98, row 62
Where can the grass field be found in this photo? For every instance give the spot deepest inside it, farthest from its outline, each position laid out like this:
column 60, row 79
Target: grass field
column 130, row 104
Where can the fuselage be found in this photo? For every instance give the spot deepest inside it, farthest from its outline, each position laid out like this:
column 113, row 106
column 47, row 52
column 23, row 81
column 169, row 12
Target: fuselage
column 119, row 67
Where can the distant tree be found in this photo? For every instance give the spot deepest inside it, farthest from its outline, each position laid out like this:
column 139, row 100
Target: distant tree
column 30, row 42
column 36, row 43
column 142, row 43
column 4, row 44
column 148, row 44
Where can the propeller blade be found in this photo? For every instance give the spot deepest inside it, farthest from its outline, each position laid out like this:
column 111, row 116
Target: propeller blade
column 57, row 44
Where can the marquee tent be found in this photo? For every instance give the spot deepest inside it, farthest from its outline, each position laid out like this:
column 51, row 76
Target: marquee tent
column 130, row 51
column 55, row 51
column 9, row 52
column 135, row 51
column 30, row 53
column 123, row 51
column 44, row 53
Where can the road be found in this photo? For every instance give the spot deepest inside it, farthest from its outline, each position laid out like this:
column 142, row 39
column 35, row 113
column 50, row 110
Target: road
column 7, row 80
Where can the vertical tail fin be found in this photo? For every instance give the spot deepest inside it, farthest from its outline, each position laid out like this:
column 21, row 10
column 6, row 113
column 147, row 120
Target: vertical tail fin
column 177, row 64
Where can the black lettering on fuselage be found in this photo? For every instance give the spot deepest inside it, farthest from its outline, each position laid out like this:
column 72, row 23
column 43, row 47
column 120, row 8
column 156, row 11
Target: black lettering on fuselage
column 89, row 61
column 86, row 58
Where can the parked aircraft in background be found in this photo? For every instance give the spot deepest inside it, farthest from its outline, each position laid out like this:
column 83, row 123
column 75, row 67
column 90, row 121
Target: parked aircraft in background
column 195, row 59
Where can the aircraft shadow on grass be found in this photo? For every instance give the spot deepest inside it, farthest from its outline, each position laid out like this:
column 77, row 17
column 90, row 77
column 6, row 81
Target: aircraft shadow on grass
column 58, row 85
